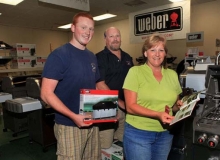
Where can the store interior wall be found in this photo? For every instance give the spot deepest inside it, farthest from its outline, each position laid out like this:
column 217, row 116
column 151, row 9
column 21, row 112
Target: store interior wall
column 45, row 40
column 204, row 17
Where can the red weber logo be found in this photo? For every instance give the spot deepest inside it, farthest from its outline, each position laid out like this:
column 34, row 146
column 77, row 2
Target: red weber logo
column 160, row 21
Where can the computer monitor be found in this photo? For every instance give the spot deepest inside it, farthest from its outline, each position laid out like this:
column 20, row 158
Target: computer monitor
column 212, row 72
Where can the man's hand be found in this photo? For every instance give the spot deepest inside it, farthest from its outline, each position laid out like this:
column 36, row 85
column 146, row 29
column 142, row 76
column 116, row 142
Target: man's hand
column 79, row 120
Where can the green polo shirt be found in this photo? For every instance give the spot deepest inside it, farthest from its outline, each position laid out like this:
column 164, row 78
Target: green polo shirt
column 151, row 94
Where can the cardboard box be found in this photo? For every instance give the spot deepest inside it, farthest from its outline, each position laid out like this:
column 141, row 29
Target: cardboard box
column 21, row 49
column 23, row 62
column 115, row 152
column 40, row 61
column 98, row 103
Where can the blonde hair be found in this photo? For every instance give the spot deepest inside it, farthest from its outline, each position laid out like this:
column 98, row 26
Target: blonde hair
column 153, row 40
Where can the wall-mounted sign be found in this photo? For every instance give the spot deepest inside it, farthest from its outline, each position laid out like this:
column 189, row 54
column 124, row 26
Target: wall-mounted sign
column 159, row 21
column 76, row 4
column 172, row 21
column 195, row 37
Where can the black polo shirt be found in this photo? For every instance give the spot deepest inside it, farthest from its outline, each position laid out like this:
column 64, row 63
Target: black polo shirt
column 113, row 70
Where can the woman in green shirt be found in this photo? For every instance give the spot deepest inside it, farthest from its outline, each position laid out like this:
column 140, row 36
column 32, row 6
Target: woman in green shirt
column 148, row 89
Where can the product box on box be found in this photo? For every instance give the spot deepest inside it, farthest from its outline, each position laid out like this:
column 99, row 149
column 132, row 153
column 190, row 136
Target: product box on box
column 99, row 104
column 40, row 61
column 115, row 152
column 21, row 49
column 23, row 62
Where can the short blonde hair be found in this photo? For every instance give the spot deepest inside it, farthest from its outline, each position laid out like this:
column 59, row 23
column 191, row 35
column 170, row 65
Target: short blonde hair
column 153, row 40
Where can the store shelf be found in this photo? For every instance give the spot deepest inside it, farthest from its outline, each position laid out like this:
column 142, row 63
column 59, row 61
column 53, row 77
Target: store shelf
column 20, row 70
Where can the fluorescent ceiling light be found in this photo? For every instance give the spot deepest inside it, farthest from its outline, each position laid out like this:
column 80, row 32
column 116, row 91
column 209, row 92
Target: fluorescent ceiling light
column 97, row 18
column 176, row 0
column 104, row 16
column 11, row 2
column 67, row 26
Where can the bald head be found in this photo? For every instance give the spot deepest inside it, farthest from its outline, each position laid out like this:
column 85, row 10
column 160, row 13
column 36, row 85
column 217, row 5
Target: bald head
column 110, row 29
column 112, row 38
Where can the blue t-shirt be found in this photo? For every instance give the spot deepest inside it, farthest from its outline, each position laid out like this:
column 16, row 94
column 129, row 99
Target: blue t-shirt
column 74, row 69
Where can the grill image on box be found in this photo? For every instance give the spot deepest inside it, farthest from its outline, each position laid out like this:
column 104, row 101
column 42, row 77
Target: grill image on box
column 104, row 109
column 40, row 122
column 206, row 125
column 14, row 120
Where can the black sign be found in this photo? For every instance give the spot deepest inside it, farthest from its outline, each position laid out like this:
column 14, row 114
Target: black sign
column 159, row 21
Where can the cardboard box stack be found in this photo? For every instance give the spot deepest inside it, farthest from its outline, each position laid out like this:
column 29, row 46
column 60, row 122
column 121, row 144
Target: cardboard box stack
column 40, row 61
column 24, row 56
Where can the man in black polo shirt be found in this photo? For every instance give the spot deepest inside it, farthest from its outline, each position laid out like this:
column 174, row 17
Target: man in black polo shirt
column 113, row 65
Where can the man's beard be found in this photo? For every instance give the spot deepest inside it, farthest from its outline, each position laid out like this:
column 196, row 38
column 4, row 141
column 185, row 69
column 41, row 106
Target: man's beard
column 115, row 47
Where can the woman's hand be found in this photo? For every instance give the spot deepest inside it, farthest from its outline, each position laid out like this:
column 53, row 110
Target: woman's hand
column 177, row 105
column 165, row 118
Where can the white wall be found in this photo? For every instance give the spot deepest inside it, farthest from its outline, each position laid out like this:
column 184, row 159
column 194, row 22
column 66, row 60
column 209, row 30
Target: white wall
column 205, row 17
column 42, row 38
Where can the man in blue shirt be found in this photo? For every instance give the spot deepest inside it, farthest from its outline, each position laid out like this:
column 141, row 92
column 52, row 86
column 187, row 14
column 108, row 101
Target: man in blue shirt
column 68, row 69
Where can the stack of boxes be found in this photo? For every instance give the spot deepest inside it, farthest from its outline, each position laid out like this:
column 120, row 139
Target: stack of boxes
column 24, row 56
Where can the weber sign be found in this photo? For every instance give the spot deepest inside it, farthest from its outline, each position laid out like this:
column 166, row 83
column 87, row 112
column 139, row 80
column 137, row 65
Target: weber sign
column 159, row 21
column 171, row 21
column 195, row 37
